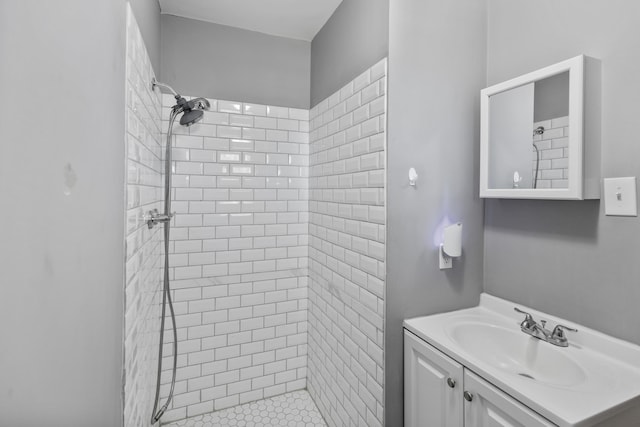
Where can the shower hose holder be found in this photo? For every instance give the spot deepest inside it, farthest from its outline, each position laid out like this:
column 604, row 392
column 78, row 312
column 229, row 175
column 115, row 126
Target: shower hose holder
column 154, row 217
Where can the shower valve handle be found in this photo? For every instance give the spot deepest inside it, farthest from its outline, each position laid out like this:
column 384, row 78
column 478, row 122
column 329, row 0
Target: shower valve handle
column 154, row 217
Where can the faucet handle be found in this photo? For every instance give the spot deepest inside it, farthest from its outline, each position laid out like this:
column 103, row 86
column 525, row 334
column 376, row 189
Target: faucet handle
column 558, row 331
column 528, row 321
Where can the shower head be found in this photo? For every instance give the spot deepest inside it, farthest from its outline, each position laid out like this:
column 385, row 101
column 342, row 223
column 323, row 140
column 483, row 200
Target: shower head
column 199, row 104
column 190, row 117
column 192, row 110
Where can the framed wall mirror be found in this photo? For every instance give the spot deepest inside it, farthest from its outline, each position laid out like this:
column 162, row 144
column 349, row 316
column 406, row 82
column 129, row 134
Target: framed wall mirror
column 532, row 142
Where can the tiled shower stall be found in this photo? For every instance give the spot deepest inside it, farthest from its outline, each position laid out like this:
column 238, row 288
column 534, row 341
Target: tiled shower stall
column 277, row 250
column 239, row 255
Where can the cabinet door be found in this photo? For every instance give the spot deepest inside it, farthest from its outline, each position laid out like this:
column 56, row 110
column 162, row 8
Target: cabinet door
column 432, row 386
column 491, row 407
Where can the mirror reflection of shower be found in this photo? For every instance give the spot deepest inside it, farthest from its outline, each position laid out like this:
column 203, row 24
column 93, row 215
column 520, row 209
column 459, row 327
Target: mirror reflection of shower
column 528, row 135
column 192, row 111
column 537, row 131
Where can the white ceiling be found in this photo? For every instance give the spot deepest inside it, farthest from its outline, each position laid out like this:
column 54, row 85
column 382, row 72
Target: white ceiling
column 296, row 19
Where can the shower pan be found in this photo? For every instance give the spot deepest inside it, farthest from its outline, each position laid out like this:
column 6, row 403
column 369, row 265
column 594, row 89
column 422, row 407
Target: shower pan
column 192, row 111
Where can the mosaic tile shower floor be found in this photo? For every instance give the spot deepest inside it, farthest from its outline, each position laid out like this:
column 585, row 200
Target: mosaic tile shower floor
column 295, row 409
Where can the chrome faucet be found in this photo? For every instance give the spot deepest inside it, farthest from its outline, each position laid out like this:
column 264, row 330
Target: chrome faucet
column 538, row 330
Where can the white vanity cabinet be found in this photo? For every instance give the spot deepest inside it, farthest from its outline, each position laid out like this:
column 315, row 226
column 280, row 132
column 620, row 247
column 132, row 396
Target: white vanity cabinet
column 432, row 386
column 440, row 392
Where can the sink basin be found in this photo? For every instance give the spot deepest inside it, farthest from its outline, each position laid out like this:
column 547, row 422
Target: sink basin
column 518, row 353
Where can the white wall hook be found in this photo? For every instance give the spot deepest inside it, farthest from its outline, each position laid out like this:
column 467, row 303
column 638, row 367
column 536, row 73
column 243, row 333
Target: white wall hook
column 413, row 177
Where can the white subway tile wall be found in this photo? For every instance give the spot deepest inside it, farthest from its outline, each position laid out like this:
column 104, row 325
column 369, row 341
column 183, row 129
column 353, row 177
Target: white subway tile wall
column 239, row 256
column 347, row 252
column 553, row 145
column 143, row 253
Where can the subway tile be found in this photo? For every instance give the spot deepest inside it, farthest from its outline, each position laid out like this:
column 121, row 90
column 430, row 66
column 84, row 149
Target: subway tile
column 216, row 144
column 229, row 157
column 253, row 133
column 560, row 122
column 184, row 141
column 298, row 114
column 215, row 270
column 276, row 135
column 240, row 120
column 353, row 102
column 280, row 112
column 214, row 169
column 277, row 159
column 197, row 207
column 242, row 170
column 229, row 107
column 216, row 194
column 289, row 148
column 255, row 158
column 197, row 181
column 229, row 132
column 203, row 129
column 253, row 182
column 230, row 182
column 188, row 194
column 370, row 127
column 216, row 118
column 362, row 80
column 377, row 106
column 287, row 124
column 189, row 168
column 346, row 91
column 266, row 123
column 255, row 109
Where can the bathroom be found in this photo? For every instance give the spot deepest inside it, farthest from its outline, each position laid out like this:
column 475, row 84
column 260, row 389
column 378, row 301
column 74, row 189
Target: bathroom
column 82, row 273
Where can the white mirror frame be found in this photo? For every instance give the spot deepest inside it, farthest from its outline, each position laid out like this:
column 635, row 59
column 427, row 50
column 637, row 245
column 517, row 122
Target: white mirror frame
column 575, row 66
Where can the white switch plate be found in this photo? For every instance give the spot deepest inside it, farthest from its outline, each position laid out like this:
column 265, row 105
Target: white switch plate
column 620, row 196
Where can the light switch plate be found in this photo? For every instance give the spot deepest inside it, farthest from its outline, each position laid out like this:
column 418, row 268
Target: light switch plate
column 620, row 196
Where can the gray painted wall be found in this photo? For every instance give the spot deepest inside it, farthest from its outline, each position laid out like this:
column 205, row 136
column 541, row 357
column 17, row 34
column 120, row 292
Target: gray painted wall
column 62, row 255
column 437, row 57
column 353, row 39
column 551, row 97
column 147, row 13
column 567, row 258
column 217, row 61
